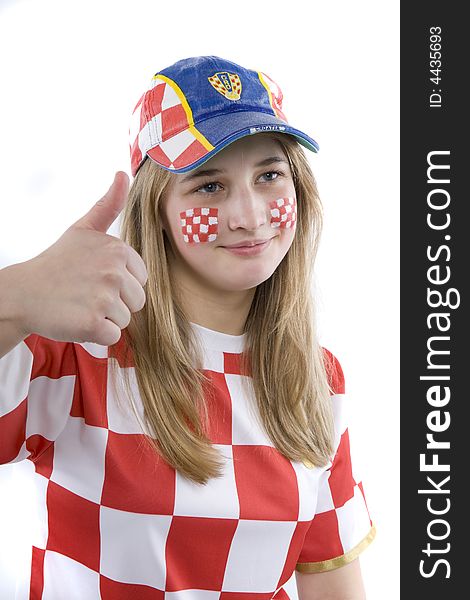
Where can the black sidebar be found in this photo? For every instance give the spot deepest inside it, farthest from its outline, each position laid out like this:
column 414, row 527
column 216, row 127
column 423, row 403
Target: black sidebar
column 435, row 316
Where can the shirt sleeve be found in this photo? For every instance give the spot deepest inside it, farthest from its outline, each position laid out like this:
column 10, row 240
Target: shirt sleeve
column 341, row 528
column 36, row 392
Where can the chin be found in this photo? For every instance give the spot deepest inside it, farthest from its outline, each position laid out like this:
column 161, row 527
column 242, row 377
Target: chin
column 243, row 281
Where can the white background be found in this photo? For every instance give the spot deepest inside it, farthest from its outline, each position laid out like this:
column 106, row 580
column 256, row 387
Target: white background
column 71, row 74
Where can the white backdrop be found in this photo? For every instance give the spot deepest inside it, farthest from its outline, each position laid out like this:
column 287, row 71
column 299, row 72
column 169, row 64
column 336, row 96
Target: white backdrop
column 71, row 74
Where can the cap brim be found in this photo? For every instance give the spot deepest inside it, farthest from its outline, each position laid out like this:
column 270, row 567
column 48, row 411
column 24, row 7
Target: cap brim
column 222, row 130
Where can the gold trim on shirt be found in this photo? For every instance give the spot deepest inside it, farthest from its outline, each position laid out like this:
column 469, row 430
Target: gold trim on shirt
column 339, row 561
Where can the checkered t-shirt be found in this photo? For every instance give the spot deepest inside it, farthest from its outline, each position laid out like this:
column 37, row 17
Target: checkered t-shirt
column 116, row 522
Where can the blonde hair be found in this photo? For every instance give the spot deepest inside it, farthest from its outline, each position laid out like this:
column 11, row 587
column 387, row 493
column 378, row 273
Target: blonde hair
column 290, row 376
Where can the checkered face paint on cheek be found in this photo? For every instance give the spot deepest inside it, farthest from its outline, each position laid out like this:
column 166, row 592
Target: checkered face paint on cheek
column 199, row 224
column 283, row 212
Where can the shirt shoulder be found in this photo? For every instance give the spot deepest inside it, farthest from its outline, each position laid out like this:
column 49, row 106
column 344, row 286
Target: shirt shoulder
column 334, row 372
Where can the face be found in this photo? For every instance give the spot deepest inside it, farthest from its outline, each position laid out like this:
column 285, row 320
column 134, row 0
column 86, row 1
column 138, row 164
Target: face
column 243, row 195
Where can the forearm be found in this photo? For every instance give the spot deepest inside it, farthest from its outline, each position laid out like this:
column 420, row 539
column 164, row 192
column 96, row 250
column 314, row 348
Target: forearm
column 11, row 328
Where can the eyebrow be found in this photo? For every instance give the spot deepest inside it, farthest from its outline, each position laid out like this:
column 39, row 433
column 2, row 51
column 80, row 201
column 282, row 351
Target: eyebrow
column 209, row 172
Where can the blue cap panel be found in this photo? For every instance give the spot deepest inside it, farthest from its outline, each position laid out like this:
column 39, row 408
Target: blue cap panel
column 192, row 77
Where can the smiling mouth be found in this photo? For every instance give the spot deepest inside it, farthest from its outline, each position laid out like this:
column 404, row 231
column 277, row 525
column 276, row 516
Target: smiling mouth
column 249, row 244
column 249, row 251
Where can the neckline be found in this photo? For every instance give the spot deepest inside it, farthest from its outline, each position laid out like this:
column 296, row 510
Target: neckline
column 217, row 340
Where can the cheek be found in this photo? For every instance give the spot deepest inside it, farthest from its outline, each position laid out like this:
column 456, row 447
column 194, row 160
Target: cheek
column 199, row 225
column 283, row 212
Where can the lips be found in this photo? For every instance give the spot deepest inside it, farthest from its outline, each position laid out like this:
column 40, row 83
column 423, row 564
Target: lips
column 248, row 243
column 249, row 251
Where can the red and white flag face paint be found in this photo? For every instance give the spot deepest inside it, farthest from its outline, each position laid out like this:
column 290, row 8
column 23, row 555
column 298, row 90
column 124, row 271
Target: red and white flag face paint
column 199, row 224
column 283, row 212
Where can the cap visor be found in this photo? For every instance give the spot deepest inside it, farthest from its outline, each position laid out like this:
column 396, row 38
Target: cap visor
column 222, row 130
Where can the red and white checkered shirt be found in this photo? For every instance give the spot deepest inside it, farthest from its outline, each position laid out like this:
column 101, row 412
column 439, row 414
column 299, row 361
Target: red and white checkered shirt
column 117, row 522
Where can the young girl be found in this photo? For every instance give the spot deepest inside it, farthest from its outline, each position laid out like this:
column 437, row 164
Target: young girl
column 189, row 441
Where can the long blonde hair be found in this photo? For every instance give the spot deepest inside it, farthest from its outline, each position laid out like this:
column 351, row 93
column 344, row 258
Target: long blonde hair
column 290, row 376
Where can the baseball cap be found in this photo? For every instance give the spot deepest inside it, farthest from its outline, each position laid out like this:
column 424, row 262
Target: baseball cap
column 198, row 106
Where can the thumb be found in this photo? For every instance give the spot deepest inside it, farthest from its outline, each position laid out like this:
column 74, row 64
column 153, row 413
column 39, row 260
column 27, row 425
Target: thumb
column 103, row 214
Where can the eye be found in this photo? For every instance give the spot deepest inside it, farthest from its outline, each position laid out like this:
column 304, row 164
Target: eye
column 270, row 173
column 208, row 187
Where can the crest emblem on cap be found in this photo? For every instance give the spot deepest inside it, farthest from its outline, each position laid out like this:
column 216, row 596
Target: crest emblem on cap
column 227, row 84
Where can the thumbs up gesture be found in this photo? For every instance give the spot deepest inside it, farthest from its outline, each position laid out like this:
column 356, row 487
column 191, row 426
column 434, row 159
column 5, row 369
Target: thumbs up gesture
column 85, row 286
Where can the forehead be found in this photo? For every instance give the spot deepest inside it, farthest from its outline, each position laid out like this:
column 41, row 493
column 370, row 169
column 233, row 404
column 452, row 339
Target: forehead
column 248, row 151
column 254, row 146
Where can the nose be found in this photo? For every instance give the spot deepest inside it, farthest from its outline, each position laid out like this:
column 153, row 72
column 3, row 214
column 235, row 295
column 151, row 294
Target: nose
column 247, row 209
